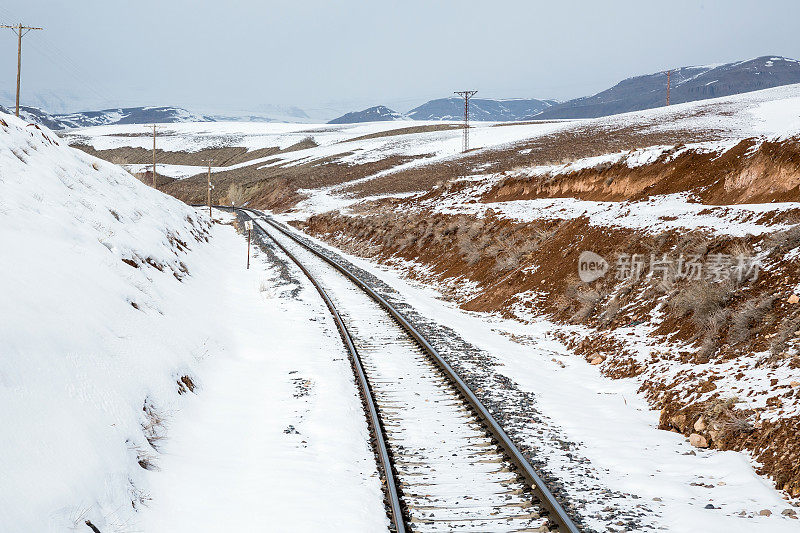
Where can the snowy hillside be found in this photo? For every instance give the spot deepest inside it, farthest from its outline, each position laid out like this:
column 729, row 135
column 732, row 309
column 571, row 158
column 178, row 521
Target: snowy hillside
column 115, row 298
column 89, row 255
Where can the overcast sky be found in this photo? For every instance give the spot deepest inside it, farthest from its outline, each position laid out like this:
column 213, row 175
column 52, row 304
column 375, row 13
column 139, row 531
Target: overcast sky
column 329, row 56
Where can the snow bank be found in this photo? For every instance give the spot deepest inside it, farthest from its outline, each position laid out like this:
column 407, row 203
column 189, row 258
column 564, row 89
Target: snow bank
column 89, row 257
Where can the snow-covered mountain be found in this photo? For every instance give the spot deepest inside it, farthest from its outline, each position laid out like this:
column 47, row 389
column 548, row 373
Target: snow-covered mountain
column 129, row 115
column 371, row 114
column 480, row 109
column 687, row 85
column 122, row 115
column 36, row 116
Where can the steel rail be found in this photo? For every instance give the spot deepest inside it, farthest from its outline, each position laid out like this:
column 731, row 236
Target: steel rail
column 382, row 448
column 537, row 484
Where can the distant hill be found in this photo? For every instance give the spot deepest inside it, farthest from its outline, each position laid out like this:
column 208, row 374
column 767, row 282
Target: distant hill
column 687, row 85
column 129, row 115
column 480, row 109
column 35, row 115
column 126, row 115
column 371, row 114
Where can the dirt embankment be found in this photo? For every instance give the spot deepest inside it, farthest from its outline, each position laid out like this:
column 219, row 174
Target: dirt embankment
column 556, row 148
column 405, row 131
column 532, row 268
column 222, row 157
column 276, row 187
column 750, row 172
column 265, row 185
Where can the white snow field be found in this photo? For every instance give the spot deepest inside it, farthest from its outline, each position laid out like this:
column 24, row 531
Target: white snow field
column 111, row 294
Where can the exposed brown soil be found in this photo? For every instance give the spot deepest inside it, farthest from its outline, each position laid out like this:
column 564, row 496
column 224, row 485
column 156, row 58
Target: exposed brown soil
column 744, row 174
column 527, row 122
column 276, row 187
column 533, row 267
column 406, row 131
column 263, row 185
column 224, row 156
column 560, row 147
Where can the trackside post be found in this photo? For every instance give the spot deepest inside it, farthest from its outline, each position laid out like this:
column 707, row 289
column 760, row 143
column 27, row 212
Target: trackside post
column 249, row 225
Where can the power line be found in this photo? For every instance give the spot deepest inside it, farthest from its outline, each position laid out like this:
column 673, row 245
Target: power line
column 466, row 95
column 83, row 78
column 60, row 59
column 21, row 31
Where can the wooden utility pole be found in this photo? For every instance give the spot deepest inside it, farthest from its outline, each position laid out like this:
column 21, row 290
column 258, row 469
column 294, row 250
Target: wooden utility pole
column 210, row 186
column 466, row 95
column 21, row 31
column 669, row 74
column 154, row 154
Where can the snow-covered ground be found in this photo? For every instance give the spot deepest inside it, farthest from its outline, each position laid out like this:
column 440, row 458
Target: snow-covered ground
column 117, row 300
column 276, row 438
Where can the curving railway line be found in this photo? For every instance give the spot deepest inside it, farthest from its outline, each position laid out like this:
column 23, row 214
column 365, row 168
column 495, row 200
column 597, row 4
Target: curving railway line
column 446, row 464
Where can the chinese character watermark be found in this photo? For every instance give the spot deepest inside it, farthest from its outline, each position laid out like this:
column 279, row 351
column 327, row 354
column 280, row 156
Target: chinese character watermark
column 670, row 268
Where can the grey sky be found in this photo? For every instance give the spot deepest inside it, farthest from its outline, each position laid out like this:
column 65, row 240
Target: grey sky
column 328, row 56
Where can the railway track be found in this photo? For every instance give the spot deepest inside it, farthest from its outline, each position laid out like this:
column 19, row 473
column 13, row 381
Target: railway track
column 446, row 463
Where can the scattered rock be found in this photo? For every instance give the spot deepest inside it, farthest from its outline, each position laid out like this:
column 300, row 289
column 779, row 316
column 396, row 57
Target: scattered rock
column 793, row 299
column 794, row 384
column 711, row 506
column 700, row 425
column 789, row 512
column 678, row 421
column 598, row 359
column 775, row 401
column 765, row 512
column 695, row 439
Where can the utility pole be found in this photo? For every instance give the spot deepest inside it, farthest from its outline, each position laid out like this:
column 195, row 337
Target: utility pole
column 154, row 154
column 210, row 186
column 21, row 31
column 669, row 74
column 466, row 95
